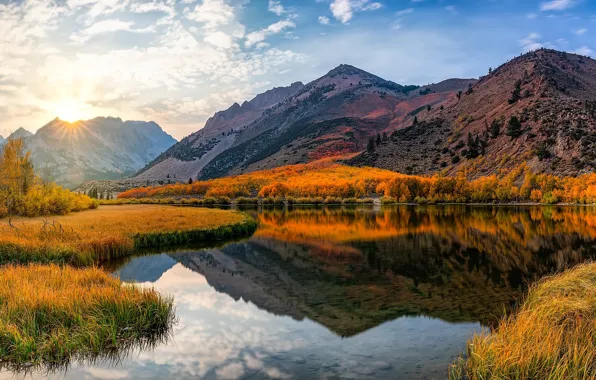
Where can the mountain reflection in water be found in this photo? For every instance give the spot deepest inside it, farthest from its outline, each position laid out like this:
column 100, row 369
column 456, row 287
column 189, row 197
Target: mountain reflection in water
column 350, row 293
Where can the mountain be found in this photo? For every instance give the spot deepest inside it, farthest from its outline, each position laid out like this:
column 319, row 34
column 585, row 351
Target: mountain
column 2, row 140
column 190, row 155
column 334, row 115
column 100, row 148
column 538, row 108
column 20, row 133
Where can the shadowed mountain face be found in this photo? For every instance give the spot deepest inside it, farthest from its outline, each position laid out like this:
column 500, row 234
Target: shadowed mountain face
column 551, row 95
column 332, row 116
column 353, row 269
column 100, row 148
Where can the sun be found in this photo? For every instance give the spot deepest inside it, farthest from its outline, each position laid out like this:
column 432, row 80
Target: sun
column 70, row 110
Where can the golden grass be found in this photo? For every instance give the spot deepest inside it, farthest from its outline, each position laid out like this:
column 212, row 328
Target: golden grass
column 50, row 315
column 93, row 236
column 552, row 336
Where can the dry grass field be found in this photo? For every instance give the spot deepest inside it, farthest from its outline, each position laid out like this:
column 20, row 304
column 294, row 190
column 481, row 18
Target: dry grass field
column 88, row 237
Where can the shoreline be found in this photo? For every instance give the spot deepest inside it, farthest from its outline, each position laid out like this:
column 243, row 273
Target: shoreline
column 260, row 202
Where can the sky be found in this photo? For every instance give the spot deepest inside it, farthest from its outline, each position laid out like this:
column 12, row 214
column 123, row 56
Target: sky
column 176, row 62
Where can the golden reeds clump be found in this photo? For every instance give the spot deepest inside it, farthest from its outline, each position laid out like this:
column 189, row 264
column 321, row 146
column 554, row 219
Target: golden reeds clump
column 552, row 336
column 60, row 314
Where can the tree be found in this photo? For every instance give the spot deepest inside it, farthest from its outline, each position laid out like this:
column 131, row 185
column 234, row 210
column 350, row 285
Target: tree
column 415, row 122
column 428, row 108
column 495, row 129
column 371, row 144
column 473, row 147
column 190, row 181
column 516, row 94
column 378, row 139
column 514, row 127
column 16, row 175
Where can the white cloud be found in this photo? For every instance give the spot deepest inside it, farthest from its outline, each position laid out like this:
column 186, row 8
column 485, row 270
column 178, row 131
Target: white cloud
column 261, row 35
column 324, row 20
column 107, row 26
column 276, row 7
column 532, row 16
column 556, row 5
column 580, row 32
column 343, row 10
column 405, row 12
column 220, row 39
column 584, row 50
column 531, row 42
column 212, row 13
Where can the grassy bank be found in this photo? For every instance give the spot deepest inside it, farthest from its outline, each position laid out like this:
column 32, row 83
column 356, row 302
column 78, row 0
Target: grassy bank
column 60, row 314
column 89, row 237
column 552, row 336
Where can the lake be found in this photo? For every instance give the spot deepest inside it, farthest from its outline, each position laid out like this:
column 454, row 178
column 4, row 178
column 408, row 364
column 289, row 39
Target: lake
column 346, row 293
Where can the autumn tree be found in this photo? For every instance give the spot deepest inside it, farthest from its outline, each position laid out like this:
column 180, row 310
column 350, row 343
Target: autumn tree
column 16, row 175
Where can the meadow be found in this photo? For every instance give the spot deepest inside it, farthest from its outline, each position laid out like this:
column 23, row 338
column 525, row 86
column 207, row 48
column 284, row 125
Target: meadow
column 90, row 237
column 551, row 336
column 51, row 315
column 330, row 182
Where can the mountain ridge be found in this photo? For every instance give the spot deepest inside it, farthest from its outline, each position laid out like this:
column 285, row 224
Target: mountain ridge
column 538, row 109
column 240, row 139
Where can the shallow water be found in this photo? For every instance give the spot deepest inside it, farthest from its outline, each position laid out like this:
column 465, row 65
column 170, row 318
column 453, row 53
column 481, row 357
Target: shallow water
column 354, row 293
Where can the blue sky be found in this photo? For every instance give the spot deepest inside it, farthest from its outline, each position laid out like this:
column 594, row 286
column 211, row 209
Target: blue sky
column 178, row 61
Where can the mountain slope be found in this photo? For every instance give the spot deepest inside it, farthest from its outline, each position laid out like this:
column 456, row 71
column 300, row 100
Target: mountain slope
column 100, row 148
column 334, row 115
column 191, row 154
column 551, row 96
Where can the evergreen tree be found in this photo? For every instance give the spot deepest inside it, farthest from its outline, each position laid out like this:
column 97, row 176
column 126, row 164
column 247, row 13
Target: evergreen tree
column 472, row 151
column 516, row 94
column 514, row 127
column 378, row 139
column 415, row 122
column 495, row 129
column 371, row 144
column 190, row 181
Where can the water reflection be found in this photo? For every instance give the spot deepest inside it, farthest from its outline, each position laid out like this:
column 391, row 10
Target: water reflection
column 349, row 293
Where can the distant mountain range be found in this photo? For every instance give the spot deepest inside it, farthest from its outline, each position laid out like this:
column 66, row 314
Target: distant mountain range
column 19, row 133
column 100, row 148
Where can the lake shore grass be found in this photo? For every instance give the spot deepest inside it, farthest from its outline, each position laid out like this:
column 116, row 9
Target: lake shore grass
column 90, row 237
column 51, row 315
column 551, row 336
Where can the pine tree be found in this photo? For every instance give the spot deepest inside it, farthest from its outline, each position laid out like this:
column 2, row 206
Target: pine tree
column 371, row 144
column 514, row 127
column 495, row 129
column 190, row 181
column 378, row 139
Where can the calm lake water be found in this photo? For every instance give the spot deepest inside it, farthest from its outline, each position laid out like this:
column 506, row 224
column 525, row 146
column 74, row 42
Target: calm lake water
column 347, row 293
